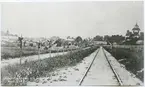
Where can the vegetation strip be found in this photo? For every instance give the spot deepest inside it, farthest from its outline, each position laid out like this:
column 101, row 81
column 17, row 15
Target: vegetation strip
column 14, row 52
column 20, row 74
column 131, row 57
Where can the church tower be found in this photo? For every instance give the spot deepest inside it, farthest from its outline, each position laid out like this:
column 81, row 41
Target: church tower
column 136, row 31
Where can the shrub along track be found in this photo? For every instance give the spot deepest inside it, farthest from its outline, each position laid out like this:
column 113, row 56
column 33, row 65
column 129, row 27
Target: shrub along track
column 132, row 58
column 20, row 74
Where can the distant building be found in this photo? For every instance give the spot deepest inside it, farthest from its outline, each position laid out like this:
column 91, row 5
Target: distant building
column 70, row 40
column 128, row 34
column 99, row 42
column 141, row 35
column 135, row 36
column 136, row 31
column 140, row 42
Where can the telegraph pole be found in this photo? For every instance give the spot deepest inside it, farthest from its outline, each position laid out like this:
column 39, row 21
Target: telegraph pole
column 39, row 44
column 50, row 45
column 63, row 47
column 20, row 40
column 39, row 50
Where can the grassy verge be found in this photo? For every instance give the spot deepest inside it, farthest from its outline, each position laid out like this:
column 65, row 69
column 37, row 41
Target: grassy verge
column 20, row 74
column 132, row 58
column 13, row 52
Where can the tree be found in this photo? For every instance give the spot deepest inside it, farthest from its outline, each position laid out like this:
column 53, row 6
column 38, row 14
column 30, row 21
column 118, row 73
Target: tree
column 116, row 38
column 78, row 39
column 58, row 42
column 106, row 37
column 128, row 33
column 24, row 43
column 98, row 38
column 85, row 43
column 31, row 44
column 141, row 35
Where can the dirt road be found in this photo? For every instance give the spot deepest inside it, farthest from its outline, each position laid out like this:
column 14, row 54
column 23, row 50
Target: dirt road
column 29, row 58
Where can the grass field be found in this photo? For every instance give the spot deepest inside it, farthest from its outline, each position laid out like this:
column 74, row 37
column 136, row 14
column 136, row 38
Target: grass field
column 132, row 58
column 13, row 52
column 15, row 75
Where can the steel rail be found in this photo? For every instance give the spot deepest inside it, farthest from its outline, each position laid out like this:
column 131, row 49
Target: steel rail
column 88, row 69
column 115, row 73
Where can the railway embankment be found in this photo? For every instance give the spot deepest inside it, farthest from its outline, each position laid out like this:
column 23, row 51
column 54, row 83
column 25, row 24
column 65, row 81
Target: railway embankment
column 30, row 71
column 131, row 58
column 81, row 67
column 90, row 71
column 65, row 76
column 126, row 77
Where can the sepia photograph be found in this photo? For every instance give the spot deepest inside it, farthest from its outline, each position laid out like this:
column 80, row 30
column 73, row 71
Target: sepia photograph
column 72, row 43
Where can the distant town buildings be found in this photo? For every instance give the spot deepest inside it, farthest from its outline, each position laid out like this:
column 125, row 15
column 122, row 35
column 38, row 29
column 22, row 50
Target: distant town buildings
column 135, row 32
column 134, row 37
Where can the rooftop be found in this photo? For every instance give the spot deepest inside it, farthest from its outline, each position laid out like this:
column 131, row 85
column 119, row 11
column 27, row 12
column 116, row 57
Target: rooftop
column 136, row 27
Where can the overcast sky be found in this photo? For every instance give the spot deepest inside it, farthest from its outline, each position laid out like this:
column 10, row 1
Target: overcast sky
column 86, row 19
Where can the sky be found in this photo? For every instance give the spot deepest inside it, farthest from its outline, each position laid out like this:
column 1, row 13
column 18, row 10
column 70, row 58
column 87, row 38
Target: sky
column 84, row 18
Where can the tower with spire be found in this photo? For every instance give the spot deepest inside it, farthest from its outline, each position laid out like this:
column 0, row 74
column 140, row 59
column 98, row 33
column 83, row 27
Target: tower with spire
column 136, row 31
column 134, row 36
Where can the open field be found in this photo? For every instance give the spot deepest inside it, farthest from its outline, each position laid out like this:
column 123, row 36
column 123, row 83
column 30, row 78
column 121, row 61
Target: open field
column 132, row 57
column 13, row 52
column 18, row 74
column 29, row 58
column 126, row 46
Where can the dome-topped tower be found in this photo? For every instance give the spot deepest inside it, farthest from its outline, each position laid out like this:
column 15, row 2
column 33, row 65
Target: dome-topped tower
column 136, row 30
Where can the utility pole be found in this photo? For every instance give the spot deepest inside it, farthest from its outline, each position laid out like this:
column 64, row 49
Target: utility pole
column 63, row 47
column 39, row 50
column 50, row 45
column 39, row 45
column 20, row 40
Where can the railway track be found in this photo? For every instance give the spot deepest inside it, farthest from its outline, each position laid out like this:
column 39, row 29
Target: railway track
column 98, row 69
column 119, row 81
column 115, row 73
column 88, row 68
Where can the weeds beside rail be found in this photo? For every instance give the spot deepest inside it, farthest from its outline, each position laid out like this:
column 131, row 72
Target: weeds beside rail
column 19, row 75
